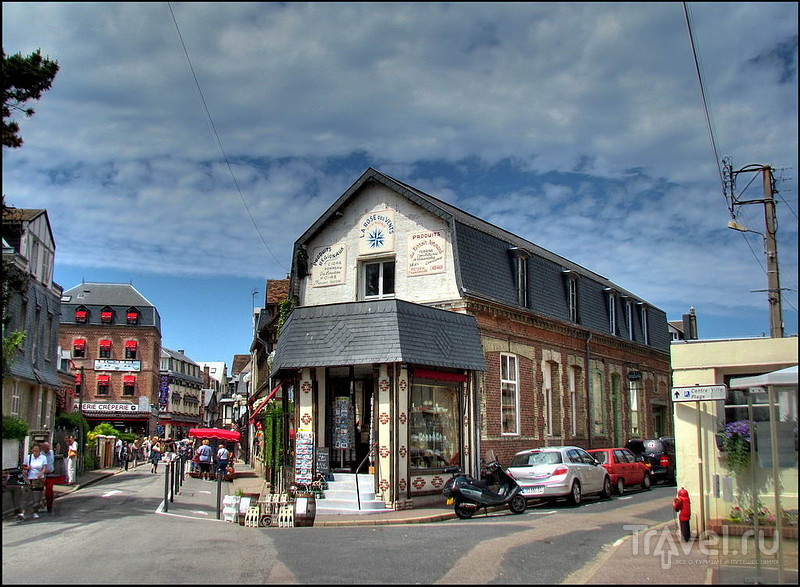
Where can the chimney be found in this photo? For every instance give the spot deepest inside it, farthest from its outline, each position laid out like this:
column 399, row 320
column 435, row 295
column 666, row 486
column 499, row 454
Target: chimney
column 690, row 325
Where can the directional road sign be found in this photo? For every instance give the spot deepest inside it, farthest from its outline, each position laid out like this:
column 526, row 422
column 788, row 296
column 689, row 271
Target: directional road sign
column 697, row 393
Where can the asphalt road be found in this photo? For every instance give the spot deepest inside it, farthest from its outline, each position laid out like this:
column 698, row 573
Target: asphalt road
column 111, row 533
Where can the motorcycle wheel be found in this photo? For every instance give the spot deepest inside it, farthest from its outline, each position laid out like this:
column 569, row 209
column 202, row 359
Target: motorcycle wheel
column 464, row 511
column 517, row 504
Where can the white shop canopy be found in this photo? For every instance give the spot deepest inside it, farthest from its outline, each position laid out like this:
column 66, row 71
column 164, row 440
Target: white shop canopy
column 782, row 377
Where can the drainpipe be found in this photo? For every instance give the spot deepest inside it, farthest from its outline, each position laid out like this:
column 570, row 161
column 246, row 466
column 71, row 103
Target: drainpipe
column 588, row 384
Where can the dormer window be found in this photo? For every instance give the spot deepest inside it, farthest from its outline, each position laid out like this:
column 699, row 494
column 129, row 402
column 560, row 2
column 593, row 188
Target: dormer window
column 132, row 316
column 611, row 305
column 521, row 257
column 572, row 294
column 644, row 322
column 81, row 315
column 629, row 318
column 106, row 315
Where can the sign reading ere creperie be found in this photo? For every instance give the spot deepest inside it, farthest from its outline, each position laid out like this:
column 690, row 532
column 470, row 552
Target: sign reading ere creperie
column 95, row 407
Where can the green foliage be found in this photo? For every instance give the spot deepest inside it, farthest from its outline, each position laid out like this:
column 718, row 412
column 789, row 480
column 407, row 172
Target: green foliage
column 14, row 428
column 284, row 310
column 11, row 345
column 104, row 429
column 73, row 421
column 24, row 78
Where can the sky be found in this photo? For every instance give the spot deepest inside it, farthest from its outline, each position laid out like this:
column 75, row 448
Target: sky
column 184, row 147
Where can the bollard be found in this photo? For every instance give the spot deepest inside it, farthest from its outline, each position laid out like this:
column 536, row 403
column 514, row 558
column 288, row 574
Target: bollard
column 166, row 489
column 176, row 477
column 219, row 491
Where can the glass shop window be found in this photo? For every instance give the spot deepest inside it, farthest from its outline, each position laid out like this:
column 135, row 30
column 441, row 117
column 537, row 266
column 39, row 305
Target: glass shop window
column 433, row 428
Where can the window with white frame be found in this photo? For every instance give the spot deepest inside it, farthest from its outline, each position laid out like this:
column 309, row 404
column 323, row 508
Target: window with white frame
column 521, row 270
column 377, row 278
column 572, row 296
column 629, row 318
column 633, row 391
column 645, row 324
column 552, row 399
column 509, row 395
column 598, row 404
column 611, row 303
column 574, row 377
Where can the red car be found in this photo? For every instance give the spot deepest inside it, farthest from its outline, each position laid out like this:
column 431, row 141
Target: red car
column 623, row 467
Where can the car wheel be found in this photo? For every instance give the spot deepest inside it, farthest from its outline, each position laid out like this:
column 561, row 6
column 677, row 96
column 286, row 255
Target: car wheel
column 575, row 494
column 464, row 512
column 646, row 482
column 606, row 493
column 620, row 485
column 518, row 504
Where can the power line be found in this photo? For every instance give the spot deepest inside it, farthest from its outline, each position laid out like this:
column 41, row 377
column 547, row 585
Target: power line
column 706, row 108
column 219, row 141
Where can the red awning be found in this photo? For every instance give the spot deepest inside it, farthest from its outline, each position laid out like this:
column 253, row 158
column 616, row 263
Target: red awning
column 105, row 343
column 218, row 433
column 264, row 403
column 79, row 343
column 103, row 378
column 439, row 375
column 130, row 344
column 129, row 379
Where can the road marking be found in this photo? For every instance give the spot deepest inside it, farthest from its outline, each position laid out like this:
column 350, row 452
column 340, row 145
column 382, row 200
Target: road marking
column 110, row 493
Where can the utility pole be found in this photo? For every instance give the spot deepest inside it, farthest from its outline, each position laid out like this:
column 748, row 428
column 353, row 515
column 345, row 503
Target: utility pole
column 770, row 241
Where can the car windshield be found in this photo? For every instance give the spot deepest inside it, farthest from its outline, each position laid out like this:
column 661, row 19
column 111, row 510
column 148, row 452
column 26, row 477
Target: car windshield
column 600, row 456
column 536, row 458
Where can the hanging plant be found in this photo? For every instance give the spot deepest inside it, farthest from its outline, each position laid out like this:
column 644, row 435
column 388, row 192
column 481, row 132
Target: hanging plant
column 736, row 446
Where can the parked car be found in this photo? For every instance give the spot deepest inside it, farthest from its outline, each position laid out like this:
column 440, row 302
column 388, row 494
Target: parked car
column 660, row 454
column 624, row 468
column 560, row 471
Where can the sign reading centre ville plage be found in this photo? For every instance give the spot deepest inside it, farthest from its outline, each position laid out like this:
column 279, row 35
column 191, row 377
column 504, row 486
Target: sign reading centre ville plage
column 698, row 394
column 376, row 232
column 328, row 265
column 425, row 253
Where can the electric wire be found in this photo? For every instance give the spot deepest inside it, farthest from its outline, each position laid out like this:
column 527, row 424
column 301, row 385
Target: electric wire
column 218, row 140
column 707, row 110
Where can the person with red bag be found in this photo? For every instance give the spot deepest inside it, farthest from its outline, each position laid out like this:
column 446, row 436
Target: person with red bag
column 683, row 505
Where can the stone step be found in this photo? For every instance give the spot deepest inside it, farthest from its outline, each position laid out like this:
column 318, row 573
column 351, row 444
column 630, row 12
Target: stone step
column 341, row 497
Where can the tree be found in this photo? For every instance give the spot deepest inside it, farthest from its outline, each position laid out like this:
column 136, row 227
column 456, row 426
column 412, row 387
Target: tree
column 24, row 79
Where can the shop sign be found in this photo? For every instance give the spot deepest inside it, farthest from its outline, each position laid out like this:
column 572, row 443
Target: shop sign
column 426, row 253
column 116, row 365
column 97, row 407
column 698, row 394
column 376, row 232
column 328, row 265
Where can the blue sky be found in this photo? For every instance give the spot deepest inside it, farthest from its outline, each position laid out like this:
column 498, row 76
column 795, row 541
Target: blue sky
column 578, row 126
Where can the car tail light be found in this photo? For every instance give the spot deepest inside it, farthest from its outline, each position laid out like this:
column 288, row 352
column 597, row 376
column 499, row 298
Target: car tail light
column 663, row 462
column 560, row 471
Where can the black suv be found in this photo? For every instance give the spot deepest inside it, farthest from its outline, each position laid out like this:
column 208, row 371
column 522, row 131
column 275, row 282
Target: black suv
column 659, row 453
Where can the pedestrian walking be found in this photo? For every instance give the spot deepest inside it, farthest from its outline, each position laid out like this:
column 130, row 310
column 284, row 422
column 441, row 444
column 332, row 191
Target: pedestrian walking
column 72, row 460
column 35, row 467
column 204, row 453
column 124, row 456
column 156, row 452
column 54, row 472
column 118, row 450
column 222, row 461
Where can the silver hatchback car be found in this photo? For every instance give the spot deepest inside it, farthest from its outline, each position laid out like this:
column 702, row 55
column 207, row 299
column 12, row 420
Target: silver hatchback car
column 560, row 471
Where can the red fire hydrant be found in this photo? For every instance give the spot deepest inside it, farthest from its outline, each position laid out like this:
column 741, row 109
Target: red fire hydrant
column 683, row 505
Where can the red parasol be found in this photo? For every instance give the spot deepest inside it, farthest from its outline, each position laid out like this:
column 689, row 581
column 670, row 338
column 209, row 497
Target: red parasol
column 219, row 433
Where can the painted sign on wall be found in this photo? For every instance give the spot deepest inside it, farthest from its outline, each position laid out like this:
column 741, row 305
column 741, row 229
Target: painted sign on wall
column 426, row 253
column 376, row 232
column 328, row 265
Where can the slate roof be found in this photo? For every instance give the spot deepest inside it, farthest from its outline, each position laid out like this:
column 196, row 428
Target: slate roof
column 382, row 331
column 119, row 296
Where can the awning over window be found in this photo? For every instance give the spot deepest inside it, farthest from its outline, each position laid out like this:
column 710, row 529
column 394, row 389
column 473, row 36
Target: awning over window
column 80, row 314
column 106, row 315
column 129, row 380
column 79, row 344
column 133, row 316
column 105, row 344
column 130, row 344
column 104, row 379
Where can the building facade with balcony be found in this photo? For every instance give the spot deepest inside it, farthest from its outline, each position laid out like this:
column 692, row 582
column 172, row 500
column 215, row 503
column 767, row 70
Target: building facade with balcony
column 434, row 336
column 113, row 336
column 181, row 384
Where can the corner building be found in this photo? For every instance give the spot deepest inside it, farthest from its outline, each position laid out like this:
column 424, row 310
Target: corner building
column 113, row 336
column 435, row 336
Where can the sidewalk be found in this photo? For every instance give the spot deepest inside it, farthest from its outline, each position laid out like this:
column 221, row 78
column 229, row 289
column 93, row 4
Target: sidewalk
column 654, row 555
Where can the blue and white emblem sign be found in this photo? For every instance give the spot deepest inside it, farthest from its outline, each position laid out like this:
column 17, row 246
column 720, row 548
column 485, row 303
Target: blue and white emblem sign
column 376, row 232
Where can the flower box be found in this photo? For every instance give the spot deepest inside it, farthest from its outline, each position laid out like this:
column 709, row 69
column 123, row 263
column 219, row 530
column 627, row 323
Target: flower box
column 725, row 526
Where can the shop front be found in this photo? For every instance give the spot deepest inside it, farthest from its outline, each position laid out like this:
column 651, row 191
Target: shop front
column 124, row 416
column 385, row 388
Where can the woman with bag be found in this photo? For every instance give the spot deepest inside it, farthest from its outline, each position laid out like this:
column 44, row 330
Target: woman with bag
column 35, row 467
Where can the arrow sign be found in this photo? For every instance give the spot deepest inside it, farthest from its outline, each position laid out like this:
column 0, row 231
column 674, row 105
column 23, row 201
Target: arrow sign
column 697, row 393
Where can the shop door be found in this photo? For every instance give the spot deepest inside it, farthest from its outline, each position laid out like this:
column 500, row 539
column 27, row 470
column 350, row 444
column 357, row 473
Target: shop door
column 349, row 418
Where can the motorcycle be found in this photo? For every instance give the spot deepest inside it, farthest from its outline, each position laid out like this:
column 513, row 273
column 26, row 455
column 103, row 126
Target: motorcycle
column 467, row 494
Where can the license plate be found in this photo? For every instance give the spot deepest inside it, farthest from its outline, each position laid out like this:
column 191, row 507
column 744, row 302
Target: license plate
column 534, row 490
column 450, row 501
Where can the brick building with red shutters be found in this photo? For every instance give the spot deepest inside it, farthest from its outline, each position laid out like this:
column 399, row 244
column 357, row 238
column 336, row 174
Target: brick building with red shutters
column 112, row 334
